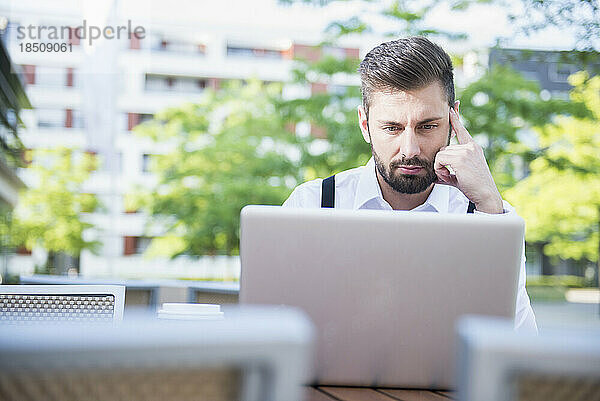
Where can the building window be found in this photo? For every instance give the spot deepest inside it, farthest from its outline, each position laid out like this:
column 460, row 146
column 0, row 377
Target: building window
column 135, row 245
column 50, row 76
column 145, row 117
column 238, row 51
column 78, row 120
column 75, row 36
column 155, row 83
column 142, row 244
column 74, row 119
column 134, row 42
column 71, row 82
column 146, row 160
column 129, row 244
column 59, row 118
column 166, row 83
column 23, row 251
column 134, row 119
column 29, row 74
column 353, row 53
column 69, row 118
column 530, row 75
column 338, row 53
column 51, row 118
column 561, row 95
column 559, row 72
column 160, row 43
column 533, row 260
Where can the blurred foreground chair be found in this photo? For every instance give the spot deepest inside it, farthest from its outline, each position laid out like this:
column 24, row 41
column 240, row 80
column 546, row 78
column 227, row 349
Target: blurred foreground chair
column 250, row 355
column 21, row 303
column 497, row 364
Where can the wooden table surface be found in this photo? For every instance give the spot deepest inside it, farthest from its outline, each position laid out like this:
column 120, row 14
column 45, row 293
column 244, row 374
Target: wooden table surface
column 330, row 393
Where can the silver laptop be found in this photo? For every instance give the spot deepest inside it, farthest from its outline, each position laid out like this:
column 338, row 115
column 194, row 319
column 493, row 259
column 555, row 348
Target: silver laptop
column 383, row 288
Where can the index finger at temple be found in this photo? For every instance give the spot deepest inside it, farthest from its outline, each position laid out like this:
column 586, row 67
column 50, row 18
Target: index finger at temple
column 462, row 135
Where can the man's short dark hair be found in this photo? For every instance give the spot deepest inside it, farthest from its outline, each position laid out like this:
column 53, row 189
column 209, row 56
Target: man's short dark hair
column 405, row 64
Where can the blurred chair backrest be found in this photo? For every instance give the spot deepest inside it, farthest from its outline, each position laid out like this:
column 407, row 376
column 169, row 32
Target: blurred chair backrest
column 250, row 355
column 23, row 303
column 497, row 364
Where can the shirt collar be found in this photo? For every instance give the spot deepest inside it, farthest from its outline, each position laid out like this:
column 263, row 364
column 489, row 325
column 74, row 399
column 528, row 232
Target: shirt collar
column 368, row 189
column 438, row 199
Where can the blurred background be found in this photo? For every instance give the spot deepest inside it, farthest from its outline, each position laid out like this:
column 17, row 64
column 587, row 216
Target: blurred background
column 128, row 159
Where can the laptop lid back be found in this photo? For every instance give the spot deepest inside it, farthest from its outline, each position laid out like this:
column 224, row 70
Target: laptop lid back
column 383, row 288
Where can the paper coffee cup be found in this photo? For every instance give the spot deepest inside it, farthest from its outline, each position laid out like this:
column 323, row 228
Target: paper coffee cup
column 184, row 311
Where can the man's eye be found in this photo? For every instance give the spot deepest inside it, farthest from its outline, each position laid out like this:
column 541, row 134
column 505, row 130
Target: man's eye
column 428, row 126
column 392, row 129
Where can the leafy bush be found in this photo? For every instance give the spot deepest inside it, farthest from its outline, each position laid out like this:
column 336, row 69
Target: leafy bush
column 553, row 288
column 556, row 281
column 546, row 293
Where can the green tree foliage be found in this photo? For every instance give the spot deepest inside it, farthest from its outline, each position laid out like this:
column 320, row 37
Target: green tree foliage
column 560, row 199
column 49, row 212
column 5, row 226
column 395, row 18
column 331, row 113
column 496, row 108
column 582, row 17
column 210, row 171
column 230, row 150
column 501, row 108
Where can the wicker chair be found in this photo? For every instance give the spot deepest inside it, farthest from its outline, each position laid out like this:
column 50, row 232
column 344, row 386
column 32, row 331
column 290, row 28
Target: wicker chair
column 250, row 355
column 497, row 364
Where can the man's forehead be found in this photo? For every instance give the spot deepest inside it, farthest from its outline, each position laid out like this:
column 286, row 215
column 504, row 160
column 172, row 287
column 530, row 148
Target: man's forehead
column 433, row 92
column 425, row 100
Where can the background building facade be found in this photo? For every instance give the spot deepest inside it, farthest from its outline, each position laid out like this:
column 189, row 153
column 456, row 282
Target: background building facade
column 93, row 96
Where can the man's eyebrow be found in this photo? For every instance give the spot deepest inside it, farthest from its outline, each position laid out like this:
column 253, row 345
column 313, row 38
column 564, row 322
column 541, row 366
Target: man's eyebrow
column 425, row 121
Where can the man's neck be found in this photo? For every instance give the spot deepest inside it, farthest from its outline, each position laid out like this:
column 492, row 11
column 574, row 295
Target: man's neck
column 399, row 201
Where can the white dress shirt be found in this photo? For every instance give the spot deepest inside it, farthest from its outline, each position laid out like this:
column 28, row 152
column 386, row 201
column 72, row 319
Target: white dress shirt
column 358, row 188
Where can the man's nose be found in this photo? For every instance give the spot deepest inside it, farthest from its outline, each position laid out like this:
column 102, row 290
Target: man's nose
column 409, row 145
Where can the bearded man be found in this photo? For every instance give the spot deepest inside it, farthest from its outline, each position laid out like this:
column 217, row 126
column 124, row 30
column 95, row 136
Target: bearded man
column 408, row 115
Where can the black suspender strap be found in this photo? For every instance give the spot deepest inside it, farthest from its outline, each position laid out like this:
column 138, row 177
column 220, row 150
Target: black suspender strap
column 471, row 207
column 328, row 192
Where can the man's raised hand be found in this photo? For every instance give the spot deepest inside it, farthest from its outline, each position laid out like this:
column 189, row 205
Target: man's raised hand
column 464, row 166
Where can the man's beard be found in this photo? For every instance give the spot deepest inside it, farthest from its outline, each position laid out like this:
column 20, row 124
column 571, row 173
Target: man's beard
column 406, row 183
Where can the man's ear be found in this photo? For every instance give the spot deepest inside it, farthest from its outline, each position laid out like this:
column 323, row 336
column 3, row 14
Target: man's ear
column 363, row 123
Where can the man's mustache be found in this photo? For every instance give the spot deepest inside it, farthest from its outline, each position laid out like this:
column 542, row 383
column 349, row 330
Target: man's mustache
column 413, row 161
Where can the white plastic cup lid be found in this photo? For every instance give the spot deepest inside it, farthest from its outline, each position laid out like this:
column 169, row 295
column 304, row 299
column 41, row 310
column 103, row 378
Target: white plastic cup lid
column 190, row 309
column 171, row 316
